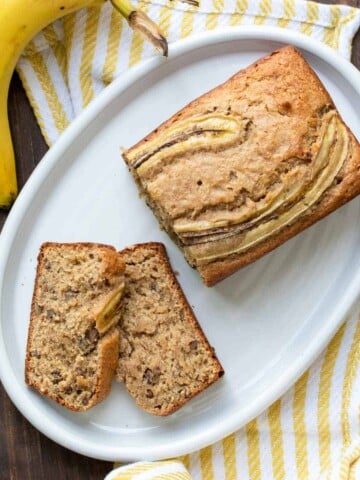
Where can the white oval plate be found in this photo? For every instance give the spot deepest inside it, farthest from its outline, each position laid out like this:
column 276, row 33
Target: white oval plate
column 268, row 322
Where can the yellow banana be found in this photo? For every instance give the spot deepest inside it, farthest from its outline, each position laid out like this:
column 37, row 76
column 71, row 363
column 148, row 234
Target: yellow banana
column 20, row 21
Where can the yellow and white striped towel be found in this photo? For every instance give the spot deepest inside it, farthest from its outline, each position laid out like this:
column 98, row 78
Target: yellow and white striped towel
column 71, row 61
column 313, row 430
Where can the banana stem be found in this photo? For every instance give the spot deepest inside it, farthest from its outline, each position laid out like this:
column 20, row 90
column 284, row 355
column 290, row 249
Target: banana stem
column 15, row 32
column 141, row 23
column 125, row 7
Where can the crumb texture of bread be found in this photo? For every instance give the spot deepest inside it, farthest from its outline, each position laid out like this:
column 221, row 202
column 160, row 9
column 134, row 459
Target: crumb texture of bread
column 248, row 165
column 73, row 340
column 165, row 358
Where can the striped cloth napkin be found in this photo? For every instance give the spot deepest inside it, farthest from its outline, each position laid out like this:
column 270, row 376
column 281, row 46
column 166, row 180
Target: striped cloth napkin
column 73, row 60
column 313, row 430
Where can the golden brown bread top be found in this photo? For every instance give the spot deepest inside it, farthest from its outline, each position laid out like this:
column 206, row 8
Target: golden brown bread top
column 246, row 159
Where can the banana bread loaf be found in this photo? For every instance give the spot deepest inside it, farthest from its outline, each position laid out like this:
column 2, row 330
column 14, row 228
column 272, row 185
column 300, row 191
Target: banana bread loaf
column 248, row 165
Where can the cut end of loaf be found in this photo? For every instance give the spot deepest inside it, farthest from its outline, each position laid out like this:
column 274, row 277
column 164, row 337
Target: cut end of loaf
column 165, row 358
column 69, row 358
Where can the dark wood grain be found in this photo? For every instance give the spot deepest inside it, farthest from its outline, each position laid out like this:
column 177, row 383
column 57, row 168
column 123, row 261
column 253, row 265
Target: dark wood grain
column 26, row 454
column 29, row 145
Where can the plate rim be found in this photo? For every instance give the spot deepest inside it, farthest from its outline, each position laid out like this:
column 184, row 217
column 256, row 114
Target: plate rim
column 118, row 87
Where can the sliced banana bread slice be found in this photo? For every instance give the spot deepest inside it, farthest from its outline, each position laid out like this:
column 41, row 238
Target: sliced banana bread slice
column 165, row 358
column 73, row 340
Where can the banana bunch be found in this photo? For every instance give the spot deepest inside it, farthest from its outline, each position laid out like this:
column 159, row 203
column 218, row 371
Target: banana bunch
column 20, row 20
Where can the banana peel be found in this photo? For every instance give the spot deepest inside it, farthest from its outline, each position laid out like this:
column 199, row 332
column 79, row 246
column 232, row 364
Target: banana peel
column 20, row 21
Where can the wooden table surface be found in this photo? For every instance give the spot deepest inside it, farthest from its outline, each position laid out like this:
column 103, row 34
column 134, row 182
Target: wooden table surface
column 26, row 454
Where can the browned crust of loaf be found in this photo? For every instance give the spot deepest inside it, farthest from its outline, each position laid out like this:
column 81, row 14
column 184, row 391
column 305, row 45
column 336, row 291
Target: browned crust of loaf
column 332, row 199
column 160, row 249
column 109, row 344
column 108, row 358
column 288, row 51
